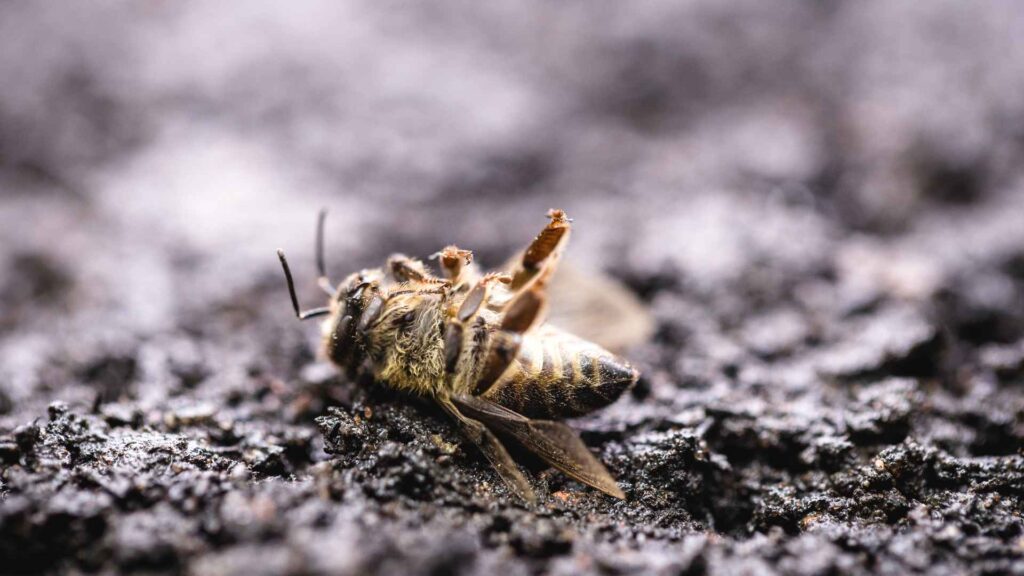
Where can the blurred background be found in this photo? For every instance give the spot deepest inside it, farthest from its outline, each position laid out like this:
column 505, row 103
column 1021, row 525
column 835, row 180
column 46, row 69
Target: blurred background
column 753, row 169
column 153, row 155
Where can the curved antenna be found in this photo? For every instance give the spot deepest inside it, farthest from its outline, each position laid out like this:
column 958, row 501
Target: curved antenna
column 301, row 315
column 322, row 280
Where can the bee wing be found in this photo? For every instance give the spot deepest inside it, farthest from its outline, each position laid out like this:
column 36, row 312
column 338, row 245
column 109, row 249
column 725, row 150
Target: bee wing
column 495, row 452
column 556, row 443
column 596, row 307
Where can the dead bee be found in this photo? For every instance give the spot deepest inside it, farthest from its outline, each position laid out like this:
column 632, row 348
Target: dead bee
column 478, row 345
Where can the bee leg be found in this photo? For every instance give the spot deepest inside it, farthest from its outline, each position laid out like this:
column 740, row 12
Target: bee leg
column 525, row 310
column 502, row 351
column 539, row 260
column 503, row 347
column 556, row 443
column 492, row 448
column 403, row 268
column 478, row 296
column 503, row 344
column 457, row 265
column 521, row 314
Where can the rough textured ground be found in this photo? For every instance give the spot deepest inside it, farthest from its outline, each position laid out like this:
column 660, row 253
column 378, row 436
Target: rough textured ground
column 821, row 203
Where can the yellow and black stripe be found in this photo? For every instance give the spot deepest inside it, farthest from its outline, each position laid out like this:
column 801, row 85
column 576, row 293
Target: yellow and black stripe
column 557, row 375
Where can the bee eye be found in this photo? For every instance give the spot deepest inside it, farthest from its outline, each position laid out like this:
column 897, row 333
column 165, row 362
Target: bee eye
column 357, row 292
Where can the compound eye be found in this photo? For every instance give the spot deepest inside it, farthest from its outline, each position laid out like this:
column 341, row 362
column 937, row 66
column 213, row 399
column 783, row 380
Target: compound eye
column 341, row 330
column 372, row 312
column 357, row 292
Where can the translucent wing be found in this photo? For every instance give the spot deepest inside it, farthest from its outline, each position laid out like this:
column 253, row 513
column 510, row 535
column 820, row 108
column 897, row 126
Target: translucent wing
column 554, row 442
column 496, row 454
column 598, row 308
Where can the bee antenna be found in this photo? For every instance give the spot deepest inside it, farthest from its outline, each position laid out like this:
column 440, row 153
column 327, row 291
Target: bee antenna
column 322, row 280
column 301, row 315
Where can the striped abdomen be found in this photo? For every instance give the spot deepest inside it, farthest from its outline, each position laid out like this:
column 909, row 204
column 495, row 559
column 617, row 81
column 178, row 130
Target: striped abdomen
column 558, row 375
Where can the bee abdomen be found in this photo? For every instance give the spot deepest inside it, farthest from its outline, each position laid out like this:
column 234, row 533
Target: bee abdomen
column 561, row 376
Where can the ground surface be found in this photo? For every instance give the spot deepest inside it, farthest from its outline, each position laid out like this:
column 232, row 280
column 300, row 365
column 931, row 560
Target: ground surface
column 821, row 203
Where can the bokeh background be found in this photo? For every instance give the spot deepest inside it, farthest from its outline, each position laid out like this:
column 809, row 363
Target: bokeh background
column 800, row 193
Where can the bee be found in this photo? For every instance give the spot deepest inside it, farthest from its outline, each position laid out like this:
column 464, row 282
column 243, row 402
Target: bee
column 478, row 345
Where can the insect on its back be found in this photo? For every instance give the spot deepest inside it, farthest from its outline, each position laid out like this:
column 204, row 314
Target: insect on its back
column 477, row 345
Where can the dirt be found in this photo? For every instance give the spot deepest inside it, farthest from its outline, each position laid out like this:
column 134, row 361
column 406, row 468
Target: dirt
column 821, row 204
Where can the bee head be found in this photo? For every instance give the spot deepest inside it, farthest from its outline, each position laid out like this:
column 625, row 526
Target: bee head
column 355, row 307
